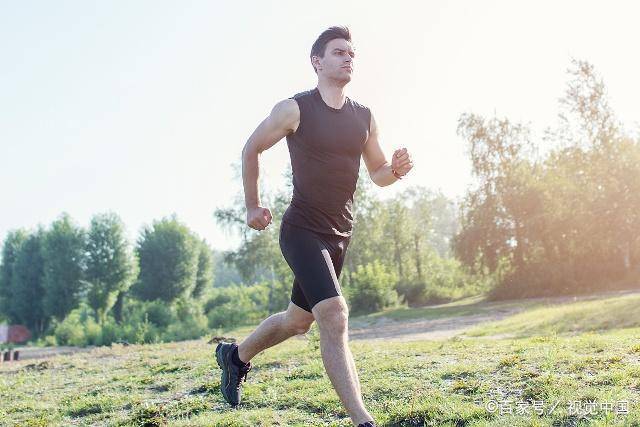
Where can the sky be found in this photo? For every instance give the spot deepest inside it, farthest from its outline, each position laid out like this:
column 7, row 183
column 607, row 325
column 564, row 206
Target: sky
column 143, row 107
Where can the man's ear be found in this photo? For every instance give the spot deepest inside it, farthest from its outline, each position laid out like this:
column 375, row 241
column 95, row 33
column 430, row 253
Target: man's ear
column 316, row 62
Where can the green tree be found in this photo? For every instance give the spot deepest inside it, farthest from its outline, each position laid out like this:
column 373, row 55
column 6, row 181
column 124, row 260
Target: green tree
column 204, row 275
column 564, row 223
column 224, row 273
column 168, row 258
column 109, row 263
column 368, row 241
column 491, row 230
column 398, row 235
column 64, row 258
column 259, row 258
column 10, row 250
column 28, row 287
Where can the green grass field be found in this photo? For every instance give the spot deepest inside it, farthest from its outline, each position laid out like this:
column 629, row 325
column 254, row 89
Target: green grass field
column 560, row 364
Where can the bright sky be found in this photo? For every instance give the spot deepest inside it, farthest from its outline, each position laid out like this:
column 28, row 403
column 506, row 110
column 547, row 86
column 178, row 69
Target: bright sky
column 142, row 107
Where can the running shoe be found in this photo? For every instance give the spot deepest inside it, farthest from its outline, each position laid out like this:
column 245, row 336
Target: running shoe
column 232, row 374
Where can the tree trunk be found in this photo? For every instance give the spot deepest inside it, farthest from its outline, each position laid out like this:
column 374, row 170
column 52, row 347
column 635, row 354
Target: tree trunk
column 117, row 307
column 416, row 241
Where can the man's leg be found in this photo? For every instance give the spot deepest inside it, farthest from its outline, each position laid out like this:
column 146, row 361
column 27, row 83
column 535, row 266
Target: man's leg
column 332, row 315
column 275, row 329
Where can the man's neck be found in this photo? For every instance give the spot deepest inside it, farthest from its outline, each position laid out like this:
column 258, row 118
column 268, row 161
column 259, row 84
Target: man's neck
column 332, row 94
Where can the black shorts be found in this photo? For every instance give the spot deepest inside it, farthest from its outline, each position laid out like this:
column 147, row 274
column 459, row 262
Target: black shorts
column 316, row 261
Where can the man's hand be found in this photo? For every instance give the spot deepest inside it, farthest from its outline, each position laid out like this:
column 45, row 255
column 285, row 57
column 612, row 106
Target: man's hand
column 258, row 218
column 401, row 161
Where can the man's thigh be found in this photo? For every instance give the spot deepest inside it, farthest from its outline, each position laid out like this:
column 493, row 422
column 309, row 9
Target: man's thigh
column 312, row 266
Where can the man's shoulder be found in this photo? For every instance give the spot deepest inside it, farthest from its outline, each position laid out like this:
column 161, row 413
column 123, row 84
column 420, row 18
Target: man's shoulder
column 358, row 104
column 303, row 94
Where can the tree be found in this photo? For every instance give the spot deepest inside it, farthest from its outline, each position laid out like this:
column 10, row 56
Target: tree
column 258, row 258
column 368, row 242
column 490, row 229
column 109, row 263
column 398, row 235
column 10, row 250
column 27, row 284
column 564, row 223
column 64, row 258
column 168, row 257
column 204, row 275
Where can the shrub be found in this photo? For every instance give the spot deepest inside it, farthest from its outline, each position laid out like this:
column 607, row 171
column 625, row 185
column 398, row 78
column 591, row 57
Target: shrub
column 371, row 288
column 110, row 332
column 244, row 305
column 444, row 280
column 78, row 328
column 70, row 331
column 158, row 312
column 191, row 322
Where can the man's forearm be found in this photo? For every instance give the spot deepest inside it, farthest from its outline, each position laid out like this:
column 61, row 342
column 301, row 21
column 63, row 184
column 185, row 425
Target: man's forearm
column 383, row 175
column 250, row 174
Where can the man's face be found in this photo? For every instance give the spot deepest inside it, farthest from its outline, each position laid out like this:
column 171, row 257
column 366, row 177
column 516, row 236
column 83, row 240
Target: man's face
column 337, row 63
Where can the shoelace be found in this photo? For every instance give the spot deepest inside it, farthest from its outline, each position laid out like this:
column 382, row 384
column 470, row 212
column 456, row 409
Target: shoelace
column 243, row 374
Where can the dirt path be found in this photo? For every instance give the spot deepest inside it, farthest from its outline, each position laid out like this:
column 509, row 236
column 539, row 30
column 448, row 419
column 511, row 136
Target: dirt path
column 431, row 329
column 28, row 353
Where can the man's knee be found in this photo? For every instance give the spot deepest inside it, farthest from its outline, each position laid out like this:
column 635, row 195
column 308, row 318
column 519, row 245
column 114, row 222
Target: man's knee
column 297, row 322
column 299, row 327
column 332, row 315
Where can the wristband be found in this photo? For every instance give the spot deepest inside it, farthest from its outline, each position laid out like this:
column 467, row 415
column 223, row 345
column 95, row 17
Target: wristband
column 396, row 174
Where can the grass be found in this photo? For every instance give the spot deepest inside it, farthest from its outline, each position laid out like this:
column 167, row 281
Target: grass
column 586, row 351
column 606, row 314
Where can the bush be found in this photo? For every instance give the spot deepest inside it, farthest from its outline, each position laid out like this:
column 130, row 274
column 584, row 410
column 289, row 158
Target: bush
column 444, row 280
column 191, row 322
column 538, row 279
column 156, row 321
column 371, row 288
column 78, row 328
column 245, row 305
column 70, row 331
column 46, row 341
column 110, row 332
column 144, row 321
column 158, row 312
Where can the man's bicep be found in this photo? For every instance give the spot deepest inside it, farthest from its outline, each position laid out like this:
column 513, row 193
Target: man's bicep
column 372, row 154
column 278, row 124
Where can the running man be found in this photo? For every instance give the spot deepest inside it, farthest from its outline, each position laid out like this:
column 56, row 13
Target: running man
column 327, row 132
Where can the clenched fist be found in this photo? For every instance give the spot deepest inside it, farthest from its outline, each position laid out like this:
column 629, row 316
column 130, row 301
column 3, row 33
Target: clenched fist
column 258, row 218
column 401, row 161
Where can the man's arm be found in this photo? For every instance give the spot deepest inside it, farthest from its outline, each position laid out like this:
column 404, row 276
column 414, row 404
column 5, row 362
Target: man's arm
column 379, row 168
column 283, row 120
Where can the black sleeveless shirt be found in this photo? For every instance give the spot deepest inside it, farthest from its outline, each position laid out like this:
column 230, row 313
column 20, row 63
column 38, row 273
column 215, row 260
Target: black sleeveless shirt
column 325, row 155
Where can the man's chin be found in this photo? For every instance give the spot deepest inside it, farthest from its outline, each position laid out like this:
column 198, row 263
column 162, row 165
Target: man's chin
column 341, row 79
column 345, row 78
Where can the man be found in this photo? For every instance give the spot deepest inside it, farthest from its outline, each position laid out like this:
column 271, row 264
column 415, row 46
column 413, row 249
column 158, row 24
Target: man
column 327, row 133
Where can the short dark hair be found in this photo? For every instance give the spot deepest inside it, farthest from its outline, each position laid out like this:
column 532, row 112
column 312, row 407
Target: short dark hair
column 320, row 45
